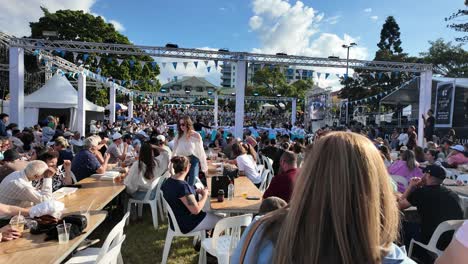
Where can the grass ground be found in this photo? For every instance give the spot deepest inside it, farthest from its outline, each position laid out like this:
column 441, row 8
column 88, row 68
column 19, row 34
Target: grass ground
column 143, row 243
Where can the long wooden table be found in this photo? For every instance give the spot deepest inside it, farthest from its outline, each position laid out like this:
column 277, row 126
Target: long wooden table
column 33, row 249
column 238, row 204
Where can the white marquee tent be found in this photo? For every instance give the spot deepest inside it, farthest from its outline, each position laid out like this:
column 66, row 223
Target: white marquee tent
column 57, row 93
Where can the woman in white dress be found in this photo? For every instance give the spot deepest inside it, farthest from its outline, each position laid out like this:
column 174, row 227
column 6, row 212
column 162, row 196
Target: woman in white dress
column 188, row 143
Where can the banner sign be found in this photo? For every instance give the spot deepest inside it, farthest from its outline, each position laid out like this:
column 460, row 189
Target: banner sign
column 317, row 106
column 344, row 112
column 445, row 97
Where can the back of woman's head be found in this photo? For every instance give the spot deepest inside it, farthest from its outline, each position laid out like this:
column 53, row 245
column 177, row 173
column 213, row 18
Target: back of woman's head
column 410, row 159
column 146, row 157
column 385, row 151
column 342, row 208
column 179, row 164
column 238, row 149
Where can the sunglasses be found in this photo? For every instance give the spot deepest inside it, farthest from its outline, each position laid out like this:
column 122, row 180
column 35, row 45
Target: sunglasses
column 182, row 124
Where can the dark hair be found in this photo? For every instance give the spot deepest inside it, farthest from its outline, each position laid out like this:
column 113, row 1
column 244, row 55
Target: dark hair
column 238, row 149
column 147, row 158
column 47, row 155
column 298, row 148
column 433, row 152
column 179, row 163
column 3, row 115
column 271, row 204
column 385, row 152
column 289, row 157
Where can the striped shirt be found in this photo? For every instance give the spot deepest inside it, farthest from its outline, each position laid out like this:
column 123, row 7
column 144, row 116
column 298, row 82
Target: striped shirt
column 17, row 190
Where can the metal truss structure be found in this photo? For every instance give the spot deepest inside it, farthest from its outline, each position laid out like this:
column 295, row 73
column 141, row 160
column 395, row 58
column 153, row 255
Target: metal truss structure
column 198, row 54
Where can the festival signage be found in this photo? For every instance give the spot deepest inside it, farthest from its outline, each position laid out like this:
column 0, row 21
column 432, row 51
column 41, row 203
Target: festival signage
column 445, row 97
column 344, row 112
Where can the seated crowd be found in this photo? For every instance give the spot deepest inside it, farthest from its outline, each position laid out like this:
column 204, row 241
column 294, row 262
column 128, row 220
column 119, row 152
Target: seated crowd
column 335, row 202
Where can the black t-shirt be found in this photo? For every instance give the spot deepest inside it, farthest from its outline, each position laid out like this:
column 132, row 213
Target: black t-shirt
column 174, row 190
column 429, row 129
column 435, row 204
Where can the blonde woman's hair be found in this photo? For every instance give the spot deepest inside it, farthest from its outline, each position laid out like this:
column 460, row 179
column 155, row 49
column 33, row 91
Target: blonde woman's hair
column 342, row 209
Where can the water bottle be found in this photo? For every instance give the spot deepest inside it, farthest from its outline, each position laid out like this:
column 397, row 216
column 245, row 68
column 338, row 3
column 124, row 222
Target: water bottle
column 231, row 191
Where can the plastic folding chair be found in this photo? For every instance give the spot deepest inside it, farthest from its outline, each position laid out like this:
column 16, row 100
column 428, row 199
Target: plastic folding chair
column 400, row 180
column 177, row 233
column 222, row 246
column 432, row 245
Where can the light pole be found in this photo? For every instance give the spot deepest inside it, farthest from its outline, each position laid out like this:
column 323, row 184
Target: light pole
column 350, row 45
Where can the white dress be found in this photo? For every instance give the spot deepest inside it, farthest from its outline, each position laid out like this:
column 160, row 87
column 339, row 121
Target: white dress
column 191, row 146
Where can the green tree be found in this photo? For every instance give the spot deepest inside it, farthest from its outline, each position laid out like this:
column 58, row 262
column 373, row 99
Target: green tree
column 457, row 22
column 80, row 26
column 390, row 43
column 447, row 59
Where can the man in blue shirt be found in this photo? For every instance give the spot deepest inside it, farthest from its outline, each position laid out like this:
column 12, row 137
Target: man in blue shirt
column 86, row 162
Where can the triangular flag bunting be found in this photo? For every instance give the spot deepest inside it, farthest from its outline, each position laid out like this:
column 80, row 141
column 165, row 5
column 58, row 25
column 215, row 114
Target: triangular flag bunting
column 263, row 66
column 109, row 60
column 380, row 75
column 372, row 74
column 175, row 65
column 206, row 63
column 153, row 64
column 326, row 75
column 208, row 69
column 355, row 75
column 318, row 75
column 132, row 63
column 85, row 57
column 98, row 60
column 216, row 63
column 389, row 74
column 196, row 64
column 164, row 64
column 119, row 62
column 185, row 64
column 345, row 76
column 142, row 64
column 337, row 75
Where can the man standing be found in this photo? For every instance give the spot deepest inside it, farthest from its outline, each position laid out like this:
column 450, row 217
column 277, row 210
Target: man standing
column 283, row 183
column 435, row 203
column 4, row 118
column 429, row 123
column 117, row 150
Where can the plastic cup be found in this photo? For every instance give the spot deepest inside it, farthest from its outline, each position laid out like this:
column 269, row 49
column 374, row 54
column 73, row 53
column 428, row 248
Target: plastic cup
column 84, row 211
column 17, row 223
column 63, row 233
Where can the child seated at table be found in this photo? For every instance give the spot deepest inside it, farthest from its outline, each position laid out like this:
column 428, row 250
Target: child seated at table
column 181, row 198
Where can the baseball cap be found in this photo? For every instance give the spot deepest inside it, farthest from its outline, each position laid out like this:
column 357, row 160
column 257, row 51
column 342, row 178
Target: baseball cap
column 435, row 171
column 161, row 138
column 68, row 134
column 11, row 155
column 458, row 148
column 116, row 136
column 404, row 148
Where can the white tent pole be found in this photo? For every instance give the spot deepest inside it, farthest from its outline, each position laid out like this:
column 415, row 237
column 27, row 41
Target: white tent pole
column 216, row 109
column 17, row 86
column 81, row 111
column 112, row 104
column 130, row 110
column 293, row 112
column 425, row 97
column 241, row 79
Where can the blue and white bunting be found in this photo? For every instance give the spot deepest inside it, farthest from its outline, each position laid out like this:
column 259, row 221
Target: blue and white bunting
column 174, row 64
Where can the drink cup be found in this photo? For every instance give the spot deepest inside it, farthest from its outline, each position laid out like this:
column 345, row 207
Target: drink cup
column 63, row 231
column 17, row 223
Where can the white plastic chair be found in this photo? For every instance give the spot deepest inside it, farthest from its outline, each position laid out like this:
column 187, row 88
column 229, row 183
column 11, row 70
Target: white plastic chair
column 400, row 180
column 432, row 245
column 268, row 164
column 260, row 168
column 463, row 178
column 222, row 246
column 266, row 179
column 109, row 253
column 153, row 203
column 177, row 233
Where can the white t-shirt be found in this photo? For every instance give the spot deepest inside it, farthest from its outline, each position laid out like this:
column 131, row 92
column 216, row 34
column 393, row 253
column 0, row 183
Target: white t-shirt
column 247, row 164
column 462, row 234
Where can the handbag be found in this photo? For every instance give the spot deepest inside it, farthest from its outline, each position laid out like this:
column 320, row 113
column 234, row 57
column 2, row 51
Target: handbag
column 219, row 183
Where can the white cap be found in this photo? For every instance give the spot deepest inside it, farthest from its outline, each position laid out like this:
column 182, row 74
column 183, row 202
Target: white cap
column 458, row 148
column 116, row 136
column 161, row 138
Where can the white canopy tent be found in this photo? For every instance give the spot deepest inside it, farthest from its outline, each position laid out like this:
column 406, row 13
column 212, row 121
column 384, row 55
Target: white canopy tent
column 57, row 93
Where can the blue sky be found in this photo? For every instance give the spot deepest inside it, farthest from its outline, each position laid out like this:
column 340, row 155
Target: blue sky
column 221, row 23
column 311, row 27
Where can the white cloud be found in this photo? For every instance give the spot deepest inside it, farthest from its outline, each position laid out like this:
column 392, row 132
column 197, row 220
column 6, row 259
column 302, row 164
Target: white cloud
column 222, row 9
column 368, row 10
column 255, row 22
column 16, row 15
column 332, row 20
column 117, row 25
column 374, row 18
column 293, row 29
